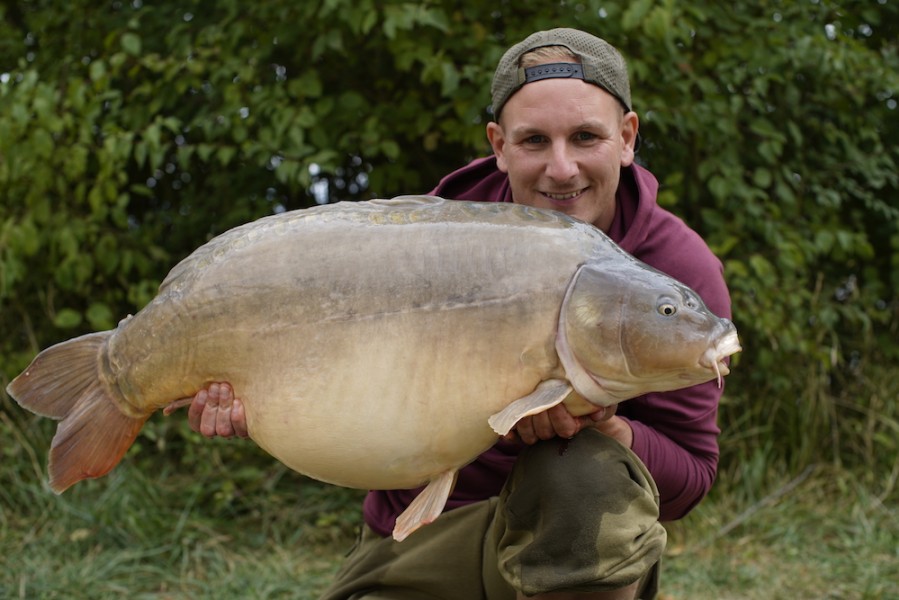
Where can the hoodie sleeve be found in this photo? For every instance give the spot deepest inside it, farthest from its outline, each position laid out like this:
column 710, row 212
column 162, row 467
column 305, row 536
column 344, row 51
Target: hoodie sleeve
column 676, row 437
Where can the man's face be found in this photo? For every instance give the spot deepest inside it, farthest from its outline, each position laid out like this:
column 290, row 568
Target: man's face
column 562, row 143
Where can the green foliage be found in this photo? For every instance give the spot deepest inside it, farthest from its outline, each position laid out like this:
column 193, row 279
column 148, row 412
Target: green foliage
column 772, row 128
column 130, row 133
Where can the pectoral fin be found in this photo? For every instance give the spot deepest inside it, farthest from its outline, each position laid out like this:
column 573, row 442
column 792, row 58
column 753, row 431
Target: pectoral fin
column 426, row 507
column 548, row 394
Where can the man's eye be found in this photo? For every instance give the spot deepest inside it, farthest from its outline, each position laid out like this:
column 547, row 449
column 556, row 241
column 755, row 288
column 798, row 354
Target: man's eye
column 584, row 136
column 535, row 139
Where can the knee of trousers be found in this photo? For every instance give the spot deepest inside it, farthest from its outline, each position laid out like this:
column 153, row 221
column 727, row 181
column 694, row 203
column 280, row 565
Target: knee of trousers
column 578, row 515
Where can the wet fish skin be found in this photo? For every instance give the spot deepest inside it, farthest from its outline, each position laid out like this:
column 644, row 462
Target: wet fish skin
column 371, row 342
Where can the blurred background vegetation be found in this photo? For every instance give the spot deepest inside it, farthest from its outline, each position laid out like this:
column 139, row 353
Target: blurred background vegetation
column 132, row 132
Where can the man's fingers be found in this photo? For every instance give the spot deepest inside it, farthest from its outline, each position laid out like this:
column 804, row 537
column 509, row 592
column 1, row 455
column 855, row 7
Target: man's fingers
column 215, row 411
column 225, row 400
column 543, row 426
column 604, row 413
column 217, row 416
column 558, row 422
column 195, row 412
column 239, row 419
column 525, row 429
column 209, row 416
column 563, row 423
column 176, row 405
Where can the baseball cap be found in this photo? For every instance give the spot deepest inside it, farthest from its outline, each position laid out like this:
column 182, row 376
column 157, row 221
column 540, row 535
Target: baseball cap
column 601, row 64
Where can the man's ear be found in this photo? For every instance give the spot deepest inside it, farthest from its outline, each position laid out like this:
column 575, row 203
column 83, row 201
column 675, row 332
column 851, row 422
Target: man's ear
column 630, row 124
column 497, row 140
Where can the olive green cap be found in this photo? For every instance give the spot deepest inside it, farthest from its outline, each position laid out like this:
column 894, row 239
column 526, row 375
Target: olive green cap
column 601, row 64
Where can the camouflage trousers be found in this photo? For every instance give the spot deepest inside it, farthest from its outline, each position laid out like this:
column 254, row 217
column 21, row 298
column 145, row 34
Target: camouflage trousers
column 578, row 515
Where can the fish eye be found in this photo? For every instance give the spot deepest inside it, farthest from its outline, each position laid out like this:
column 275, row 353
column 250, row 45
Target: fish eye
column 667, row 309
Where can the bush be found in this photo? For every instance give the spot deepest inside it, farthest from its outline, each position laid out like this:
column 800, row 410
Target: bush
column 134, row 133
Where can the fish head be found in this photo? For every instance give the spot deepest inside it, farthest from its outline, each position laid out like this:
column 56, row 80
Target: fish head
column 626, row 329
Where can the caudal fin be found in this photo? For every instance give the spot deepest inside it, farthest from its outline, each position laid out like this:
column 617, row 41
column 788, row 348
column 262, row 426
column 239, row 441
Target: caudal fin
column 64, row 382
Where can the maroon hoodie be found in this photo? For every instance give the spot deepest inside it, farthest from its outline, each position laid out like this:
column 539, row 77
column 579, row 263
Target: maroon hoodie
column 675, row 433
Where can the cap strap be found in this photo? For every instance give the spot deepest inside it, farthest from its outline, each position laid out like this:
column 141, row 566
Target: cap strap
column 565, row 70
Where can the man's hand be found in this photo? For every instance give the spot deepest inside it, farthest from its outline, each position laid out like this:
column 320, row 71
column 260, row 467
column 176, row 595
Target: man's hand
column 215, row 411
column 558, row 422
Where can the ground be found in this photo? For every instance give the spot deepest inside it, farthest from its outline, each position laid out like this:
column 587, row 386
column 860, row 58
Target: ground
column 819, row 534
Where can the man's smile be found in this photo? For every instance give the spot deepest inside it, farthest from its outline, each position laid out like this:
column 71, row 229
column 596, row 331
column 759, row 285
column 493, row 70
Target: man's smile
column 563, row 197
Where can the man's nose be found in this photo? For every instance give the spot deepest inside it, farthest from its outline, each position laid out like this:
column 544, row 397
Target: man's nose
column 562, row 165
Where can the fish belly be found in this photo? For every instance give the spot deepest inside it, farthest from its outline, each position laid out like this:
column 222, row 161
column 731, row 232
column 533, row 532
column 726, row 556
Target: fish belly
column 403, row 399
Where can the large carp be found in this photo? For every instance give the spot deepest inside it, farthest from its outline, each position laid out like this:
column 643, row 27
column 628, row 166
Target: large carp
column 371, row 342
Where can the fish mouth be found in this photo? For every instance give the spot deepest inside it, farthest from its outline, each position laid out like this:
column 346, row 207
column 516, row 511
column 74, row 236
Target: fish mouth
column 714, row 357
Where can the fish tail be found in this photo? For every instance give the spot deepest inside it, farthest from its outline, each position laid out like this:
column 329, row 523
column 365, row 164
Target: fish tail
column 64, row 382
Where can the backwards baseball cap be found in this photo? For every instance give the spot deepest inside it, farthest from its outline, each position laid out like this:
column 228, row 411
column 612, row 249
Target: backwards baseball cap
column 601, row 64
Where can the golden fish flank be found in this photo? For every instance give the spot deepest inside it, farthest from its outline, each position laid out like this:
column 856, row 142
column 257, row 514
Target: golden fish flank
column 401, row 313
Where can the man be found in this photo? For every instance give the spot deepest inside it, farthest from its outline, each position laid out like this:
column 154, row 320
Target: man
column 547, row 513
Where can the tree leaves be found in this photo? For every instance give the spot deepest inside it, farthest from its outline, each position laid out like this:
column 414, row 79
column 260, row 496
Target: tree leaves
column 131, row 134
column 131, row 43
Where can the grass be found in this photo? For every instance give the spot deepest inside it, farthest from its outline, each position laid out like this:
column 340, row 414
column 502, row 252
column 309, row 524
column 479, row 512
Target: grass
column 144, row 538
column 235, row 525
column 821, row 537
column 189, row 518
